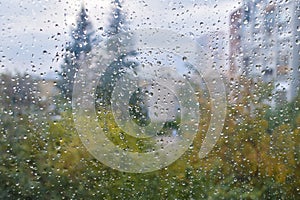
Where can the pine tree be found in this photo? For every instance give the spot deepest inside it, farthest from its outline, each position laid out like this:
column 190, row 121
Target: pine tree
column 76, row 51
column 119, row 41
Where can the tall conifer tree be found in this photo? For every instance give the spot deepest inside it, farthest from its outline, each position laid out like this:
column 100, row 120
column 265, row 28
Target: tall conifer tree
column 76, row 51
column 120, row 42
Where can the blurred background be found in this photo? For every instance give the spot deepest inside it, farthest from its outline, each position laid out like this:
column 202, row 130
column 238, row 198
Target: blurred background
column 254, row 44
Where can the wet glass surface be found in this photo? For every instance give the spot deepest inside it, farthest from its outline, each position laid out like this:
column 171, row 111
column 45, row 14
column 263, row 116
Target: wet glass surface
column 150, row 99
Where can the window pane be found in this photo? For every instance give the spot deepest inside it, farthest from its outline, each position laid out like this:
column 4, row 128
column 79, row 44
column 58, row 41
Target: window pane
column 153, row 99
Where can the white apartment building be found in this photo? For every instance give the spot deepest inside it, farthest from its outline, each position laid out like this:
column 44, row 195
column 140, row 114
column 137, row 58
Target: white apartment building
column 266, row 44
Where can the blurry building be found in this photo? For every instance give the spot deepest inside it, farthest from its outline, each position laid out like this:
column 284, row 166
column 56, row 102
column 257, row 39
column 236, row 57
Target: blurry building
column 47, row 93
column 47, row 89
column 265, row 45
column 235, row 53
column 215, row 44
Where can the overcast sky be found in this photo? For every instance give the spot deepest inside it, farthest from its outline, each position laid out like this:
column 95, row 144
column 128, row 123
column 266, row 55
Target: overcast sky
column 34, row 32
